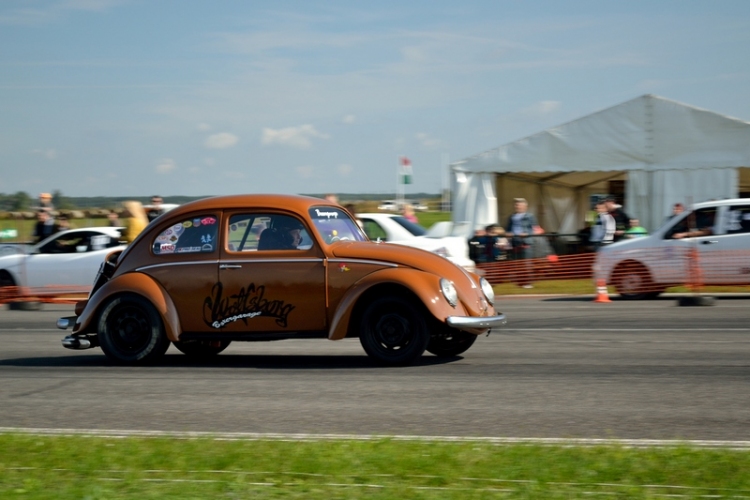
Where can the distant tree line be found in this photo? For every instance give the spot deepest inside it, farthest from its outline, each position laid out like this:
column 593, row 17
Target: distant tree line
column 22, row 201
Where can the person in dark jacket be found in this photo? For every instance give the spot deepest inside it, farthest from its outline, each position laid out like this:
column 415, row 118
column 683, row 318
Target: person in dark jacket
column 622, row 221
column 45, row 225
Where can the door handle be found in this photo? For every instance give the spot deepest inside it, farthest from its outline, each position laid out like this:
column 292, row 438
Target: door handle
column 230, row 266
column 709, row 242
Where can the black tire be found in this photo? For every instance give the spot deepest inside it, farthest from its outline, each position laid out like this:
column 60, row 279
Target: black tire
column 6, row 279
column 452, row 343
column 202, row 348
column 131, row 331
column 393, row 331
column 633, row 281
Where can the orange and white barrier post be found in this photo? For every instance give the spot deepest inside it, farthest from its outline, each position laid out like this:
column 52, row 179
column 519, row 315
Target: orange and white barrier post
column 602, row 295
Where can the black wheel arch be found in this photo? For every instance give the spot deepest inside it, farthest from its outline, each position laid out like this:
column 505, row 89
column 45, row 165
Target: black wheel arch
column 375, row 292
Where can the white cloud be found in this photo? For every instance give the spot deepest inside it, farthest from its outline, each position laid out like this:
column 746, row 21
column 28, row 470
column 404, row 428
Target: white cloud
column 348, row 119
column 50, row 154
column 427, row 141
column 345, row 169
column 52, row 12
column 543, row 108
column 166, row 166
column 221, row 141
column 203, row 127
column 295, row 137
column 305, row 171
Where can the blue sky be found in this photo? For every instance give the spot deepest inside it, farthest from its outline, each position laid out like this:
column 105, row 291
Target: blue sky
column 188, row 97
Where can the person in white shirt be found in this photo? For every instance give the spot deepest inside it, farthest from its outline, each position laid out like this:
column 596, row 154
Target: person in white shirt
column 603, row 230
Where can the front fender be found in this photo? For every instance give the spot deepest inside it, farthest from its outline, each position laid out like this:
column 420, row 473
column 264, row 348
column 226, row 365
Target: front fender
column 140, row 284
column 426, row 286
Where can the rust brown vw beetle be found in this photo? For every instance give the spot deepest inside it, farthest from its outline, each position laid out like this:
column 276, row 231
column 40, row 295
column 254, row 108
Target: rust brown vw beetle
column 273, row 267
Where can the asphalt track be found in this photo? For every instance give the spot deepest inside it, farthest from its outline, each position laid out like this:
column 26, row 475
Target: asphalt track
column 564, row 367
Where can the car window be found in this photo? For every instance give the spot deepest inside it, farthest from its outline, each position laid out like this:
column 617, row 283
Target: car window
column 196, row 234
column 697, row 223
column 412, row 227
column 250, row 232
column 373, row 230
column 738, row 219
column 335, row 224
column 78, row 242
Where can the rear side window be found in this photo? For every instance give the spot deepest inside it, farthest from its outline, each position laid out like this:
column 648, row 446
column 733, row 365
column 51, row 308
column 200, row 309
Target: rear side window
column 196, row 234
column 738, row 219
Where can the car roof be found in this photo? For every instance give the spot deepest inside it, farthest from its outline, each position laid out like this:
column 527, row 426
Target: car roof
column 717, row 203
column 295, row 203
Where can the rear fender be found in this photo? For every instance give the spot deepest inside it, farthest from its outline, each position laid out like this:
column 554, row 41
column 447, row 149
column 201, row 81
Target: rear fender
column 425, row 286
column 136, row 283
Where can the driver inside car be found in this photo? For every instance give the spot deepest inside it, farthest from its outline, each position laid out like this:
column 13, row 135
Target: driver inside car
column 284, row 234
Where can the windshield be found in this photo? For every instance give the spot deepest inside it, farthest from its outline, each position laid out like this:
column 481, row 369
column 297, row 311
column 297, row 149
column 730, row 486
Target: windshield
column 335, row 224
column 412, row 227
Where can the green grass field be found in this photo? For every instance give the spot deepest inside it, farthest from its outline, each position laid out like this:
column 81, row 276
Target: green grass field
column 41, row 467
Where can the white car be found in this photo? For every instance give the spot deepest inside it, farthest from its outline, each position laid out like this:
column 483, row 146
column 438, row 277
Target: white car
column 68, row 258
column 707, row 245
column 393, row 228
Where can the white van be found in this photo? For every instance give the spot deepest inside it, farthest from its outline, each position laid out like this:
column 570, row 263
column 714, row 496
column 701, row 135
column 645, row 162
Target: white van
column 707, row 245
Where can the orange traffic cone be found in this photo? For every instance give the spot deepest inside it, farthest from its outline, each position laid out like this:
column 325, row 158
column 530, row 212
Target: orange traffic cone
column 601, row 291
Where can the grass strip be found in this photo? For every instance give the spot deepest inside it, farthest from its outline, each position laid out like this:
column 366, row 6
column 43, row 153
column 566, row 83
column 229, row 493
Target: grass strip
column 588, row 287
column 78, row 467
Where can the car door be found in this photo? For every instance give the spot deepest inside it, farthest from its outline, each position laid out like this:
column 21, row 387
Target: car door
column 68, row 259
column 734, row 244
column 703, row 248
column 263, row 288
column 184, row 260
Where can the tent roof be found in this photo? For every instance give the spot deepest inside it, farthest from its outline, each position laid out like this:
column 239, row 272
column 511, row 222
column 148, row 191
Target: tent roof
column 648, row 132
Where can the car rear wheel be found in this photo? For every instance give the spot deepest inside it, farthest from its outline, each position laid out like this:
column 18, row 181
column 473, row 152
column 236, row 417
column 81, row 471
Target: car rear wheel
column 202, row 348
column 393, row 331
column 131, row 331
column 451, row 343
column 633, row 281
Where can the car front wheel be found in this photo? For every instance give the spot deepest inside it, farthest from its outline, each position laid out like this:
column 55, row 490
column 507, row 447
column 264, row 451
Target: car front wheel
column 633, row 281
column 393, row 331
column 131, row 331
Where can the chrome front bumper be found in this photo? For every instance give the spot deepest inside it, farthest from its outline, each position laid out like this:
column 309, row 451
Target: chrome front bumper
column 474, row 323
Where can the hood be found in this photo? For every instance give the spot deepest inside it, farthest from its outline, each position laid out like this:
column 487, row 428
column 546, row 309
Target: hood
column 401, row 255
column 629, row 244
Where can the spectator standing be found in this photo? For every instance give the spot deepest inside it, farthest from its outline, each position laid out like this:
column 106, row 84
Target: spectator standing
column 155, row 210
column 408, row 213
column 635, row 230
column 63, row 224
column 497, row 243
column 332, row 198
column 622, row 221
column 478, row 246
column 45, row 202
column 45, row 225
column 603, row 230
column 521, row 225
column 114, row 220
column 135, row 220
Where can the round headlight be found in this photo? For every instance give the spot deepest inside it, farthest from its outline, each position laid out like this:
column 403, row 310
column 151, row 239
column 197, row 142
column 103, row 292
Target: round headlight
column 487, row 289
column 449, row 291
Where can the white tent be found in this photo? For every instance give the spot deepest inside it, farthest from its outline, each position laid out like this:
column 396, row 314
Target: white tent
column 659, row 151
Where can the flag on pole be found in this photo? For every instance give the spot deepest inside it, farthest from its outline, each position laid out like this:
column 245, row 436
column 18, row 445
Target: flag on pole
column 406, row 172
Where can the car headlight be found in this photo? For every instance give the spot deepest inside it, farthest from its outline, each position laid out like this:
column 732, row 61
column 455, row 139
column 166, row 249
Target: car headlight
column 487, row 290
column 449, row 291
